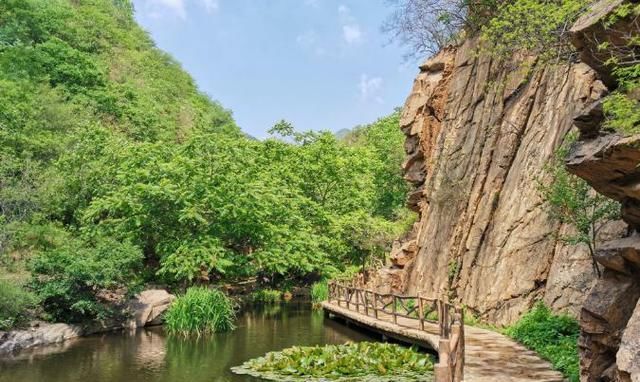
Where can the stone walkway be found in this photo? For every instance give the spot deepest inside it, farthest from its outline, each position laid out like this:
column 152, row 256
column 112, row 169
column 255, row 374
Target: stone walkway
column 489, row 356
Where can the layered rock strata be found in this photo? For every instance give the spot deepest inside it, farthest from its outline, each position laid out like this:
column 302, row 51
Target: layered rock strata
column 479, row 134
column 610, row 318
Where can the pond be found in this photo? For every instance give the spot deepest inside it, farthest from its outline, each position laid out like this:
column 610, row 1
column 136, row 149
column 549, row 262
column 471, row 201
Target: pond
column 151, row 355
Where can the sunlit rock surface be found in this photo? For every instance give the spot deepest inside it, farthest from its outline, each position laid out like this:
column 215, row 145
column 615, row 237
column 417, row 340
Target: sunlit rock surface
column 608, row 161
column 144, row 309
column 478, row 137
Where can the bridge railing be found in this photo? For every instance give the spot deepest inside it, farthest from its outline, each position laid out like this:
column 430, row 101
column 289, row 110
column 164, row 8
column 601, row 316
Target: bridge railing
column 385, row 306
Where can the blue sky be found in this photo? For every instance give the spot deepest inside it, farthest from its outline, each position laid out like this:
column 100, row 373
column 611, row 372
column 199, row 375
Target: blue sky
column 320, row 64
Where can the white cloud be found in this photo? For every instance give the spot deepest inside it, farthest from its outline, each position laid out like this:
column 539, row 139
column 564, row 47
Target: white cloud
column 163, row 8
column 351, row 30
column 312, row 3
column 370, row 88
column 176, row 6
column 352, row 34
column 307, row 39
column 210, row 5
column 344, row 13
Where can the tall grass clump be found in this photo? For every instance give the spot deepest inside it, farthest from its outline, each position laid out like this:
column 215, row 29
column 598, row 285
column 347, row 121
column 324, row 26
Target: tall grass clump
column 319, row 292
column 15, row 304
column 266, row 296
column 554, row 337
column 200, row 311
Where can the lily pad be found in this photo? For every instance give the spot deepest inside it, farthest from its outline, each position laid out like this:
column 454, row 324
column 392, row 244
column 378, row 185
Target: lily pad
column 362, row 361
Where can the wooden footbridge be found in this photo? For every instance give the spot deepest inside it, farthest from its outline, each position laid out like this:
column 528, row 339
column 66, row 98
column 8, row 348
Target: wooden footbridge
column 466, row 354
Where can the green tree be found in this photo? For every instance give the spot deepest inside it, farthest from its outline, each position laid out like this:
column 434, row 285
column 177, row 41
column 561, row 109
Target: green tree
column 572, row 201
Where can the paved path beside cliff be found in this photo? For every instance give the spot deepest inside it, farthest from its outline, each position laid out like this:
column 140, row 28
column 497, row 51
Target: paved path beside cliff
column 489, row 356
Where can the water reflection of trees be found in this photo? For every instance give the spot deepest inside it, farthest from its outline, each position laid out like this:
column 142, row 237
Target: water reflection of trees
column 151, row 355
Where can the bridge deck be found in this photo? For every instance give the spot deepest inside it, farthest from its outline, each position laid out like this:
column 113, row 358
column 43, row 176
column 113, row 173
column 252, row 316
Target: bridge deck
column 489, row 356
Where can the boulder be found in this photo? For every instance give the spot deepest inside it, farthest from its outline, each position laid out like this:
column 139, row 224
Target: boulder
column 403, row 254
column 604, row 317
column 147, row 307
column 628, row 356
column 37, row 335
column 589, row 31
column 143, row 310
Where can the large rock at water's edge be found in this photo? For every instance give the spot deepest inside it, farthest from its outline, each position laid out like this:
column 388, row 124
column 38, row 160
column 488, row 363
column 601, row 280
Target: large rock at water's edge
column 43, row 334
column 148, row 307
column 144, row 310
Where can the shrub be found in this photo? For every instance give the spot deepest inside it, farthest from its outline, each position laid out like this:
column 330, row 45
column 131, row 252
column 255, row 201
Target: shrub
column 552, row 336
column 622, row 112
column 79, row 281
column 268, row 296
column 571, row 200
column 351, row 361
column 535, row 26
column 15, row 303
column 200, row 311
column 319, row 292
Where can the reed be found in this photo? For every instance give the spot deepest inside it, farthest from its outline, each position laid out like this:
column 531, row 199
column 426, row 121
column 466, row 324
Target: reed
column 266, row 296
column 319, row 292
column 200, row 311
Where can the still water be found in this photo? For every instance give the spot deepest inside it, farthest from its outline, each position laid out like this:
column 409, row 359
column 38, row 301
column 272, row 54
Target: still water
column 151, row 355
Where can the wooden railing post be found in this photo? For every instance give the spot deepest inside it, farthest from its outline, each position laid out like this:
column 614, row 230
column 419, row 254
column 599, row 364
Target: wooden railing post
column 347, row 296
column 441, row 370
column 375, row 305
column 393, row 309
column 420, row 312
column 357, row 300
column 366, row 302
column 460, row 351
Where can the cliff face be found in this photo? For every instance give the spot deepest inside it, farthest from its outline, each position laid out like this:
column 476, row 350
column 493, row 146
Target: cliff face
column 478, row 137
column 610, row 162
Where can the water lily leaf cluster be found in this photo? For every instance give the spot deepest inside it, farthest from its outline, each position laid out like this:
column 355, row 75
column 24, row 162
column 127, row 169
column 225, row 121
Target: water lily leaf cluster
column 362, row 361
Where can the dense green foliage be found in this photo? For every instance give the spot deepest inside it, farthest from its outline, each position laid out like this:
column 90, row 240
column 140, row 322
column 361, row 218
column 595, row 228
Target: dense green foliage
column 267, row 296
column 554, row 337
column 69, row 277
column 534, row 26
column 14, row 303
column 319, row 292
column 348, row 362
column 542, row 28
column 115, row 170
column 622, row 107
column 571, row 200
column 200, row 311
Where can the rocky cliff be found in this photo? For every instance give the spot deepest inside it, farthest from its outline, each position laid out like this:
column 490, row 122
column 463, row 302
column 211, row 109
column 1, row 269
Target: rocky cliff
column 479, row 134
column 610, row 162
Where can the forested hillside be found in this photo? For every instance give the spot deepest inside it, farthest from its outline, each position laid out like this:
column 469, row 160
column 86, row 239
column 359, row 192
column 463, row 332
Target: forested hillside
column 116, row 171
